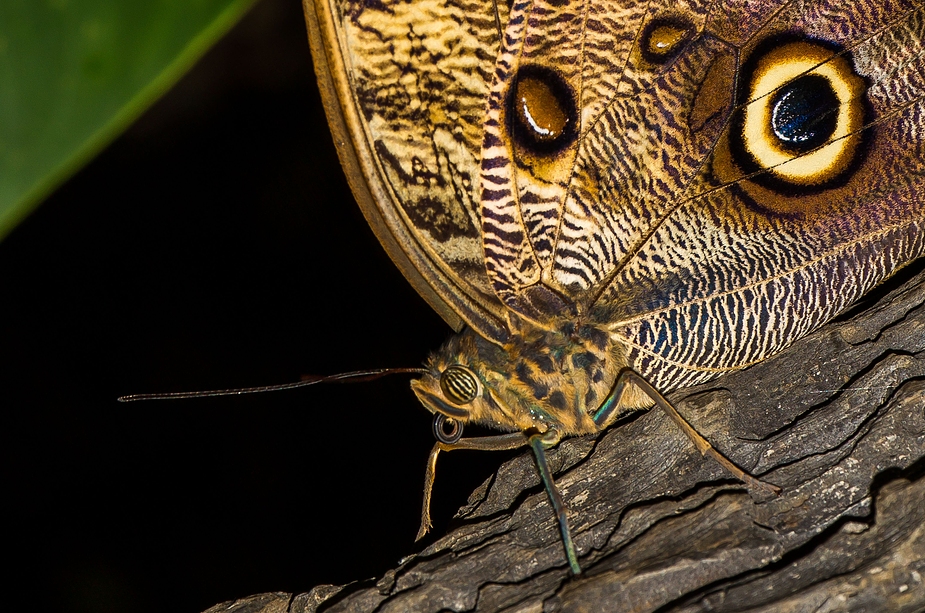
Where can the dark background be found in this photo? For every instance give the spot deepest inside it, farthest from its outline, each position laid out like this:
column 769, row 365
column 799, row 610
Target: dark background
column 213, row 245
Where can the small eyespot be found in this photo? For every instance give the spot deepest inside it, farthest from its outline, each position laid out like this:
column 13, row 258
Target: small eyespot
column 459, row 385
column 802, row 118
column 541, row 111
column 664, row 37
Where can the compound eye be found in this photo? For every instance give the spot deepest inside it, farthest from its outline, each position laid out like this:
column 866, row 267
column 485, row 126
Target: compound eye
column 459, row 385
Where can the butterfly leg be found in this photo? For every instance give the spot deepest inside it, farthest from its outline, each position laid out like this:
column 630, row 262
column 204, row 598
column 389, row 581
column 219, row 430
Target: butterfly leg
column 484, row 443
column 539, row 443
column 609, row 409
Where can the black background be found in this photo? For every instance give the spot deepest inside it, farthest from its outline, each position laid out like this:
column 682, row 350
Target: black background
column 213, row 245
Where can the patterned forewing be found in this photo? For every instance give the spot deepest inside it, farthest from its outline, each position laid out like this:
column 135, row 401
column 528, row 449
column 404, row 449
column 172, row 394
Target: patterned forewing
column 419, row 72
column 590, row 46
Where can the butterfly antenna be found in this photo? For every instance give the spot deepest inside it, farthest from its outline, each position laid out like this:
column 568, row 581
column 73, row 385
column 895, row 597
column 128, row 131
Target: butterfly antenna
column 353, row 377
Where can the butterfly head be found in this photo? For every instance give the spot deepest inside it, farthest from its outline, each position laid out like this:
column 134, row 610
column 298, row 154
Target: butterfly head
column 464, row 383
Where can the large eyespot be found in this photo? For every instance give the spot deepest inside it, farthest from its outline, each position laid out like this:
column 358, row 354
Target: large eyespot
column 459, row 385
column 541, row 111
column 801, row 124
column 664, row 37
column 800, row 129
column 446, row 429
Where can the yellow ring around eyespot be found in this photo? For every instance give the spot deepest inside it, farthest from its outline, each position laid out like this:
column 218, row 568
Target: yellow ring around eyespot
column 775, row 70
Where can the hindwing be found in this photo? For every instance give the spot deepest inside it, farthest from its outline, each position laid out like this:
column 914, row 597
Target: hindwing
column 654, row 213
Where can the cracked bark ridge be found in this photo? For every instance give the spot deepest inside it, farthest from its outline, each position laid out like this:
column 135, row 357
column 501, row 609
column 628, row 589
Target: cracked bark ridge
column 837, row 421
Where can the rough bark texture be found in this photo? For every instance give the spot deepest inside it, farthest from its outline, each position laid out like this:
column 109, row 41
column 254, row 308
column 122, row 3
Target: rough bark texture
column 837, row 421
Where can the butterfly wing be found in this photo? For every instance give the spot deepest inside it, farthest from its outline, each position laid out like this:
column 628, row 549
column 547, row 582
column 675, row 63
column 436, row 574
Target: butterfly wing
column 595, row 163
column 653, row 213
column 404, row 85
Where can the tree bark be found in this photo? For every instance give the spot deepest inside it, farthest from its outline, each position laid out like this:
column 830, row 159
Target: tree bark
column 837, row 421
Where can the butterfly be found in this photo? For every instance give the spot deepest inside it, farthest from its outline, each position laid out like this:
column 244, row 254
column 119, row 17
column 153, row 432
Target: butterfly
column 612, row 200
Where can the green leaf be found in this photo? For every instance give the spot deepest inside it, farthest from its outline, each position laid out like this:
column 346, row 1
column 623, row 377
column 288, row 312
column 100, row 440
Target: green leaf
column 76, row 73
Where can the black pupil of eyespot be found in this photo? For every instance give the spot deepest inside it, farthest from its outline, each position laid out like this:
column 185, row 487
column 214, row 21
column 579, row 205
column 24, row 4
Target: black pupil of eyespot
column 804, row 113
column 458, row 385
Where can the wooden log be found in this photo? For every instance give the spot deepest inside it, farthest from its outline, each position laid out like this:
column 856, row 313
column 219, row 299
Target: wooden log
column 837, row 421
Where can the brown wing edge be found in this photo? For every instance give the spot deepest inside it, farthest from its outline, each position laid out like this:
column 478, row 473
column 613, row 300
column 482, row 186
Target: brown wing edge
column 367, row 186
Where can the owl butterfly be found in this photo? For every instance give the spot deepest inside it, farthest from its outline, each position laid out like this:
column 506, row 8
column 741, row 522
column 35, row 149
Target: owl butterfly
column 613, row 199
